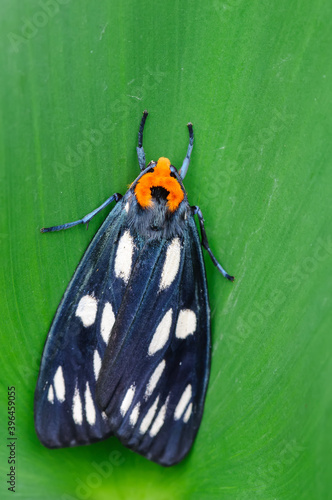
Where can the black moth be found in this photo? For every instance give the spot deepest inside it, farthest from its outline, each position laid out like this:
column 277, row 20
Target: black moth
column 128, row 352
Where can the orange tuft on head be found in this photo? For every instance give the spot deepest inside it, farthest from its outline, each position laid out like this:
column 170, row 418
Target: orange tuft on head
column 161, row 176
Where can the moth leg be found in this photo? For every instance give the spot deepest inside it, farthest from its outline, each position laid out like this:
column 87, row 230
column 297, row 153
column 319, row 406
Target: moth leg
column 86, row 219
column 196, row 210
column 186, row 161
column 140, row 150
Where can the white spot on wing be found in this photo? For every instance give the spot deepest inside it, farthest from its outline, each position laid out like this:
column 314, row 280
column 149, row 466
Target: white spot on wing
column 182, row 404
column 77, row 407
column 188, row 413
column 59, row 385
column 134, row 415
column 127, row 400
column 159, row 421
column 127, row 207
column 107, row 322
column 50, row 395
column 149, row 417
column 87, row 310
column 186, row 324
column 96, row 364
column 90, row 411
column 154, row 379
column 171, row 264
column 161, row 334
column 124, row 257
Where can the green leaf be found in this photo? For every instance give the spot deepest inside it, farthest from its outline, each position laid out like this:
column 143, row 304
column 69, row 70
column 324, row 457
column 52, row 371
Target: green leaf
column 255, row 80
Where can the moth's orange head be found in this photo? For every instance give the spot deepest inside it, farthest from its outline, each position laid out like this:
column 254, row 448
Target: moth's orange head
column 160, row 177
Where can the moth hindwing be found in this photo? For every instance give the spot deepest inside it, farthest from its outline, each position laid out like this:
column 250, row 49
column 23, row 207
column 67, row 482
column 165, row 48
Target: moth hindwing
column 128, row 352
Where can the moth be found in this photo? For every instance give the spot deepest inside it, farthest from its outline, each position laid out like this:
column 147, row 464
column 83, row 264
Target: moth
column 128, row 352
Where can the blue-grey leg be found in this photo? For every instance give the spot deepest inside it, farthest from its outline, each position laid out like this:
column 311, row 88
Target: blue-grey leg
column 115, row 197
column 186, row 161
column 196, row 210
column 139, row 149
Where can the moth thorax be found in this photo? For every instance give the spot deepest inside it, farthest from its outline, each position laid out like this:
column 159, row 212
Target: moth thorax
column 160, row 184
column 159, row 194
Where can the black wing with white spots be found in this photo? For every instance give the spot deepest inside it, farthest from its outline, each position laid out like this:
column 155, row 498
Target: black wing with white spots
column 155, row 371
column 66, row 413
